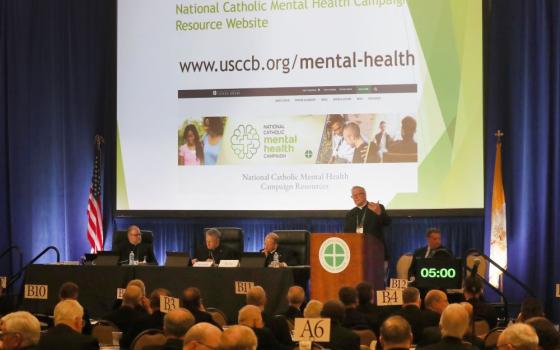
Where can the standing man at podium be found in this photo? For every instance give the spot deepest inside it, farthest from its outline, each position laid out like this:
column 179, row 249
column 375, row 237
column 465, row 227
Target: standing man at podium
column 367, row 217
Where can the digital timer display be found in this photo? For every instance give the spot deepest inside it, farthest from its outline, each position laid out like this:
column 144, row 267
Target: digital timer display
column 439, row 273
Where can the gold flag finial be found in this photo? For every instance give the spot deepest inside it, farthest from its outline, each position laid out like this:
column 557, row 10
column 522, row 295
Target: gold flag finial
column 499, row 135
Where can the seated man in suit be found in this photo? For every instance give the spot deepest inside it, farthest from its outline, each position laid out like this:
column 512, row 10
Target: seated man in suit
column 142, row 251
column 238, row 338
column 202, row 336
column 192, row 301
column 353, row 319
column 20, row 330
column 176, row 323
column 66, row 334
column 341, row 338
column 411, row 312
column 395, row 334
column 454, row 324
column 432, row 249
column 285, row 256
column 250, row 316
column 296, row 298
column 212, row 250
column 518, row 336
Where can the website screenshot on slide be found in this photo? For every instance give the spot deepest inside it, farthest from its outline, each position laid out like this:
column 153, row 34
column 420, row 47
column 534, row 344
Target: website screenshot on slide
column 285, row 105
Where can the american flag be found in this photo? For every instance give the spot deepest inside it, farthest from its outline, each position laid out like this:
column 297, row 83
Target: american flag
column 95, row 216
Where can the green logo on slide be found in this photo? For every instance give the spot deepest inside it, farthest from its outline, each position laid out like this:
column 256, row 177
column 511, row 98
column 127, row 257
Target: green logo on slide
column 245, row 141
column 334, row 255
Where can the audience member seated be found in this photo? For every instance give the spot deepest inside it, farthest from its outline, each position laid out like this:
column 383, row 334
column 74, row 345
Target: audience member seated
column 20, row 331
column 353, row 319
column 202, row 335
column 128, row 314
column 366, row 306
column 473, row 291
column 144, row 305
column 66, row 334
column 279, row 327
column 432, row 335
column 286, row 257
column 453, row 324
column 70, row 290
column 411, row 312
column 176, row 323
column 435, row 302
column 250, row 316
column 549, row 337
column 153, row 320
column 142, row 251
column 192, row 301
column 341, row 337
column 212, row 250
column 313, row 309
column 531, row 307
column 238, row 337
column 395, row 334
column 433, row 246
column 296, row 298
column 518, row 336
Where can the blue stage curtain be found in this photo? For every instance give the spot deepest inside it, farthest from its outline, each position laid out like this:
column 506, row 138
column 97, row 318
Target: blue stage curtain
column 57, row 63
column 523, row 100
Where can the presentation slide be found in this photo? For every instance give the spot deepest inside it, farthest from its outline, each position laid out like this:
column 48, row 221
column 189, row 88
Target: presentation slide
column 282, row 105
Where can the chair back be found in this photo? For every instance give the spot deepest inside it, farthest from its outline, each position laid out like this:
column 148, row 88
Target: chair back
column 481, row 328
column 232, row 238
column 218, row 316
column 403, row 265
column 491, row 339
column 297, row 241
column 149, row 337
column 103, row 332
column 121, row 236
column 366, row 336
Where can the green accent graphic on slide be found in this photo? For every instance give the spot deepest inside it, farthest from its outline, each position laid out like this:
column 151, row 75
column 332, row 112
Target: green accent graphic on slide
column 450, row 172
column 122, row 196
column 245, row 141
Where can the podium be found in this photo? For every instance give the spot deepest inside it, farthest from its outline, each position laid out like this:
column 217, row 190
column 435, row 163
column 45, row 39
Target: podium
column 344, row 259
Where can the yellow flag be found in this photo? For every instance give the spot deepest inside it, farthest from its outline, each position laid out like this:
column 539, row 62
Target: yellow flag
column 498, row 237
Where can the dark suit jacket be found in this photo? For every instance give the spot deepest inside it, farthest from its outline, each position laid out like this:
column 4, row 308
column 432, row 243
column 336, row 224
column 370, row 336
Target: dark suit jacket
column 220, row 253
column 416, row 318
column 266, row 340
column 449, row 343
column 140, row 251
column 142, row 323
column 483, row 311
column 292, row 313
column 342, row 338
column 202, row 316
column 170, row 344
column 354, row 319
column 373, row 315
column 432, row 335
column 64, row 337
column 278, row 326
column 373, row 223
column 285, row 255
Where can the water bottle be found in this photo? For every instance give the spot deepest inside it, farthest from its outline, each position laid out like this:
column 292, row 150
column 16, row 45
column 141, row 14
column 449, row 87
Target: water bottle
column 131, row 258
column 275, row 261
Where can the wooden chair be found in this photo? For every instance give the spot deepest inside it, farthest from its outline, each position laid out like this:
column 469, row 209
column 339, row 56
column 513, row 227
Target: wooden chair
column 491, row 339
column 218, row 316
column 366, row 336
column 481, row 328
column 103, row 332
column 148, row 337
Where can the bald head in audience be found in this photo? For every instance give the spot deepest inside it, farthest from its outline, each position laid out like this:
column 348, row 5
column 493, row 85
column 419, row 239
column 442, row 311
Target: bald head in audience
column 202, row 336
column 256, row 296
column 250, row 316
column 238, row 338
column 395, row 333
column 518, row 336
column 69, row 312
column 177, row 322
column 436, row 300
column 313, row 309
column 454, row 321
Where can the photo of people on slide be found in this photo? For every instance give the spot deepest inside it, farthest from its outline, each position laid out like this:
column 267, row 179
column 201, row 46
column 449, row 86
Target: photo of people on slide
column 200, row 140
column 368, row 138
